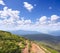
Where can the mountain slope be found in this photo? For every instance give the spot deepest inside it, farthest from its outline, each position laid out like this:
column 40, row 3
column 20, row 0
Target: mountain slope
column 48, row 40
column 10, row 43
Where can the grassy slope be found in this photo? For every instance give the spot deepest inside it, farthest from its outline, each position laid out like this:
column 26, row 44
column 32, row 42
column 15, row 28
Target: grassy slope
column 9, row 43
column 46, row 47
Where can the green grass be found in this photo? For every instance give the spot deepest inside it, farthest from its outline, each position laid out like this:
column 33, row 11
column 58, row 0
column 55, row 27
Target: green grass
column 46, row 47
column 51, row 50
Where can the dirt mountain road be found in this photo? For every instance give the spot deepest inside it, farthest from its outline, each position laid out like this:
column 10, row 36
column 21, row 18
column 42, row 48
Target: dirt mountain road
column 36, row 49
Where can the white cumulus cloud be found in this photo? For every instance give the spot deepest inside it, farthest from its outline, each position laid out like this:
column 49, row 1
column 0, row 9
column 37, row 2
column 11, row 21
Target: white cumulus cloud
column 54, row 17
column 8, row 16
column 1, row 2
column 43, row 19
column 28, row 6
column 6, row 13
column 11, row 20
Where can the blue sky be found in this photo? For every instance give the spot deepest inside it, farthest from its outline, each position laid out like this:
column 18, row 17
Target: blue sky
column 31, row 15
column 41, row 8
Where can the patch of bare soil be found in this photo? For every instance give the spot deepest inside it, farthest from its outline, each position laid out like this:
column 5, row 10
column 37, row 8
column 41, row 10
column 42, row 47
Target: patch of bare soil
column 36, row 49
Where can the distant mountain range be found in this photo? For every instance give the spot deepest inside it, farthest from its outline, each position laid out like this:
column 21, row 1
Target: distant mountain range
column 43, row 37
column 37, row 35
column 55, row 33
column 22, row 32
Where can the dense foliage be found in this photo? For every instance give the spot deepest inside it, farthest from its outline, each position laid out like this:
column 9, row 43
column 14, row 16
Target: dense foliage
column 10, row 43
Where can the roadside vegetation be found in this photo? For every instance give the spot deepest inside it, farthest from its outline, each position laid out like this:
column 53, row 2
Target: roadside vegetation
column 46, row 48
column 9, row 43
